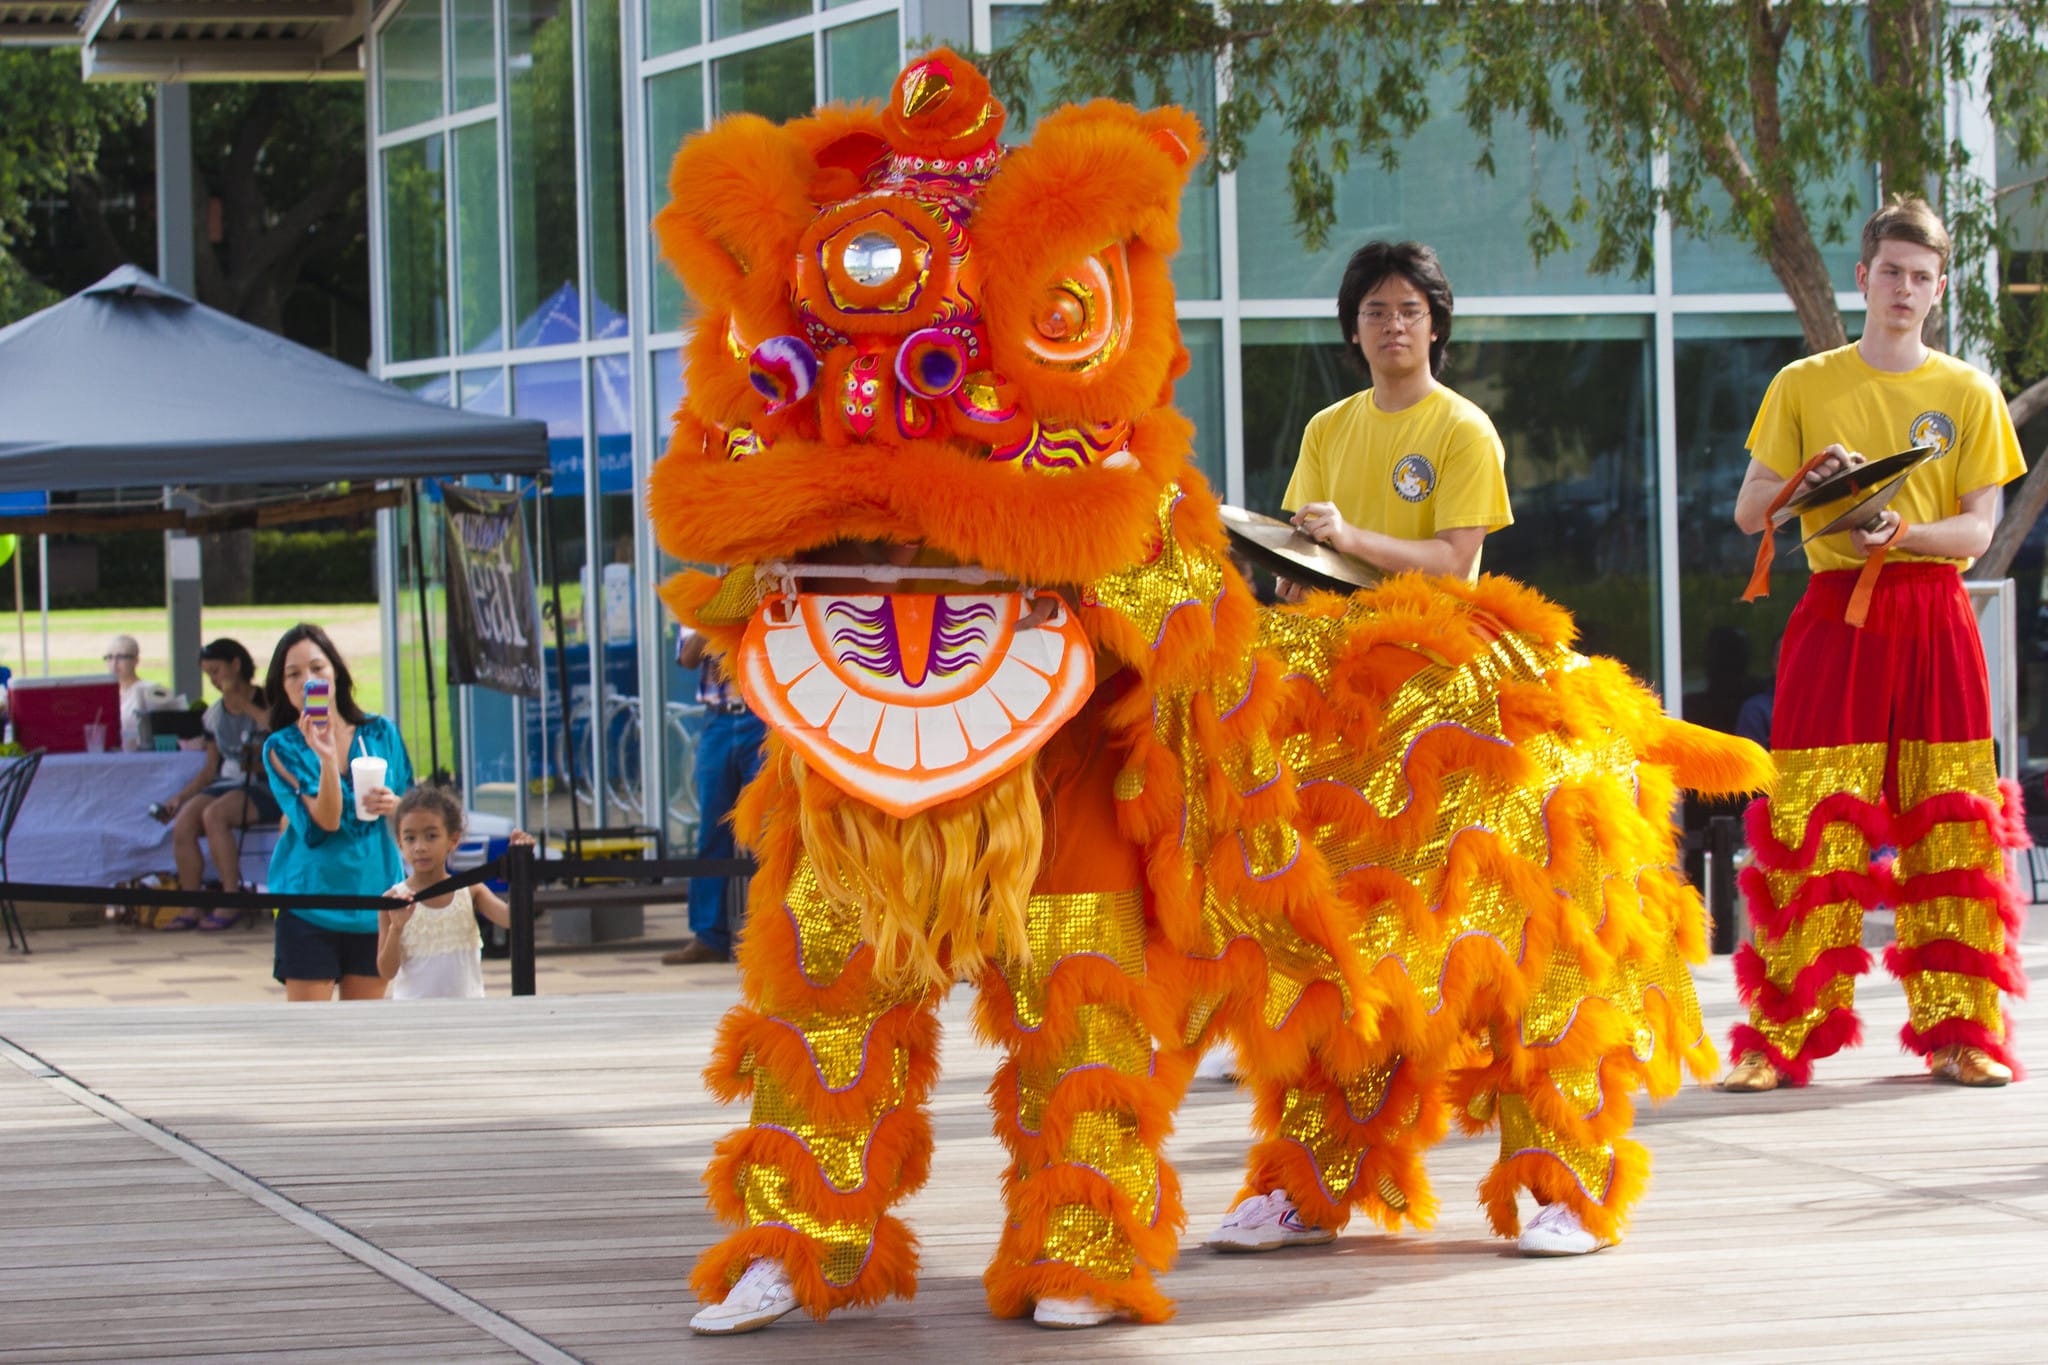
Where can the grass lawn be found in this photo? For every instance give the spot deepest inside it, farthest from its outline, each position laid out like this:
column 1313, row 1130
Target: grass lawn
column 78, row 639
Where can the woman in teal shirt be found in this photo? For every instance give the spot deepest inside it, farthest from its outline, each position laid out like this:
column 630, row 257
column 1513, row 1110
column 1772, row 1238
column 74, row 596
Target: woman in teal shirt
column 327, row 846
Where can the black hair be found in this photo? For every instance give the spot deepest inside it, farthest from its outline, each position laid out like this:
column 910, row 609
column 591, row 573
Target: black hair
column 283, row 715
column 1370, row 266
column 226, row 651
column 436, row 801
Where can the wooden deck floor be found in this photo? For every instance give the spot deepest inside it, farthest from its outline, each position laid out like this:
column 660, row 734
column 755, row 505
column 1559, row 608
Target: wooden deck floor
column 518, row 1179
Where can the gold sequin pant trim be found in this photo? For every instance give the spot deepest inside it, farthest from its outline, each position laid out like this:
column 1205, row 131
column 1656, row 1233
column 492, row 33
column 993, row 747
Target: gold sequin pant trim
column 839, row 1133
column 1821, row 843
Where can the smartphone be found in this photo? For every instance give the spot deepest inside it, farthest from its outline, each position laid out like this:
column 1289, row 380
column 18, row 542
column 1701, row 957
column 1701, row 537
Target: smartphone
column 317, row 690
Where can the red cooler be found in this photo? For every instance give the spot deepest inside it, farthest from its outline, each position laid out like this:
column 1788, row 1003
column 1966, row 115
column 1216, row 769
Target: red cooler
column 52, row 713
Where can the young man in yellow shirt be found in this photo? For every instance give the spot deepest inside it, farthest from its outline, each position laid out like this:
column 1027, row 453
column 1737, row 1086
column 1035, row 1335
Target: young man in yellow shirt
column 1882, row 726
column 1408, row 474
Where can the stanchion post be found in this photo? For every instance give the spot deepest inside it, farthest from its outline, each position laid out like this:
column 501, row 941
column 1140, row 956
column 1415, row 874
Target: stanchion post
column 519, row 896
column 1721, row 885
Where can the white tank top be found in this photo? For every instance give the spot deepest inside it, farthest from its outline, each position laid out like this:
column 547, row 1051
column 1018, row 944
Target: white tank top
column 443, row 952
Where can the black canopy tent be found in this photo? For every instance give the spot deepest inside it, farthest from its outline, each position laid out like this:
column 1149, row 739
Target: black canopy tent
column 130, row 384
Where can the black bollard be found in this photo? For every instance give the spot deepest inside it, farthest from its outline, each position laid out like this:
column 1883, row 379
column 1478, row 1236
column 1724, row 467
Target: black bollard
column 519, row 897
column 1721, row 832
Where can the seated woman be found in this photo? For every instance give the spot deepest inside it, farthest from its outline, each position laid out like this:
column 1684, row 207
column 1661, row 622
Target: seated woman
column 231, row 793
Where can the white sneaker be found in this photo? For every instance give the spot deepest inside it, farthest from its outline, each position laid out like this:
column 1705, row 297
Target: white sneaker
column 762, row 1295
column 1066, row 1315
column 1557, row 1231
column 1266, row 1222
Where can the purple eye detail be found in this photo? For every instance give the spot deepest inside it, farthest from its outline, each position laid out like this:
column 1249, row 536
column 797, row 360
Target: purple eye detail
column 931, row 363
column 783, row 369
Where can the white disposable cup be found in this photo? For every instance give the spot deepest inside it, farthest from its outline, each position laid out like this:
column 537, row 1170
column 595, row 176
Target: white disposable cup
column 95, row 736
column 367, row 773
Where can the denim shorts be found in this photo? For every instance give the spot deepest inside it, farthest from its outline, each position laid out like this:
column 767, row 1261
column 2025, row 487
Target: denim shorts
column 306, row 952
column 267, row 812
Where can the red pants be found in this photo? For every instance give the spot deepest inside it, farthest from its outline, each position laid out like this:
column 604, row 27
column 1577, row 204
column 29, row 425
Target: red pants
column 1882, row 738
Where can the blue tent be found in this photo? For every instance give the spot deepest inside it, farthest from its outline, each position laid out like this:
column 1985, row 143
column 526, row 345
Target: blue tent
column 129, row 383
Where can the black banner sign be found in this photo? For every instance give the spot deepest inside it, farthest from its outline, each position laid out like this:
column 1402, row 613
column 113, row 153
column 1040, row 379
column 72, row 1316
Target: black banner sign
column 493, row 624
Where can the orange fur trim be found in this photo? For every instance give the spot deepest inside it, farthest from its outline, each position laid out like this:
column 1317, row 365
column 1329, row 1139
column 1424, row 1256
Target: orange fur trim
column 1014, row 1289
column 1551, row 1181
column 1711, row 763
column 778, row 1047
column 890, row 1271
column 898, row 1161
column 1034, row 1200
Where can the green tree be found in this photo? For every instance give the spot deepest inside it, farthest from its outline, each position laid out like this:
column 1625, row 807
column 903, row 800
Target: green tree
column 1754, row 108
column 52, row 126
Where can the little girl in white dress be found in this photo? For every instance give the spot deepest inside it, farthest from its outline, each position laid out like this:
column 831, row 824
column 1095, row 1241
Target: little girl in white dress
column 433, row 950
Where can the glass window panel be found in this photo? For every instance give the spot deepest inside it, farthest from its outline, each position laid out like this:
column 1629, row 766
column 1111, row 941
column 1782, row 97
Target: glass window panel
column 738, row 16
column 424, row 708
column 409, row 65
column 776, row 82
column 540, row 108
column 1724, row 264
column 1475, row 221
column 484, row 391
column 1197, row 268
column 672, row 24
column 1579, row 472
column 553, row 392
column 415, row 251
column 615, row 574
column 480, row 290
column 473, row 47
column 1199, row 395
column 862, row 59
column 605, row 127
column 675, row 109
column 1729, row 647
column 682, row 718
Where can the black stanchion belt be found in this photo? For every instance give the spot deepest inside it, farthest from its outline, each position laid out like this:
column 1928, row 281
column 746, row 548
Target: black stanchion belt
column 640, row 869
column 238, row 900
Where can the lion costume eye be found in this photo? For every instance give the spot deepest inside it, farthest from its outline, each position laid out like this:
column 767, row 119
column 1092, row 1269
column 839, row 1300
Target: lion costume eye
column 1081, row 318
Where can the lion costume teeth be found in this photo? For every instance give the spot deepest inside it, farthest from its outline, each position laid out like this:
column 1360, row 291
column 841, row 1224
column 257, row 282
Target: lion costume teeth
column 1406, row 850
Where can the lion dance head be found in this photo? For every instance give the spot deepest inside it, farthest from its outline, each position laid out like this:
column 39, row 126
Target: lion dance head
column 929, row 393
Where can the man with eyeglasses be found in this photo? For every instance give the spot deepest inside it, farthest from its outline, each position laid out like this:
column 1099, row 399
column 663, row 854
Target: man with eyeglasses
column 1407, row 474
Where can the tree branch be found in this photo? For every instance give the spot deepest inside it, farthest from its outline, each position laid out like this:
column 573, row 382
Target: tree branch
column 2024, row 507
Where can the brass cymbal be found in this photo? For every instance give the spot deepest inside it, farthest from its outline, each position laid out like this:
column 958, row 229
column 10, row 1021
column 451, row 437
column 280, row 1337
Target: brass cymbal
column 1856, row 482
column 1864, row 509
column 1279, row 548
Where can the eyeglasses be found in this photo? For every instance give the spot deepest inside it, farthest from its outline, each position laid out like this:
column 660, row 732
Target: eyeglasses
column 1408, row 315
column 109, row 658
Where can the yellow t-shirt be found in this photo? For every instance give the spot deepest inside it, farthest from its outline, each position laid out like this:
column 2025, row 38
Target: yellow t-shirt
column 1436, row 465
column 1838, row 396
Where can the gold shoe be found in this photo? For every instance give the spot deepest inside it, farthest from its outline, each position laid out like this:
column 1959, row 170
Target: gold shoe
column 1753, row 1073
column 1961, row 1064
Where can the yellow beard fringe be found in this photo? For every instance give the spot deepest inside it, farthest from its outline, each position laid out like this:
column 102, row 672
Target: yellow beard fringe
column 939, row 893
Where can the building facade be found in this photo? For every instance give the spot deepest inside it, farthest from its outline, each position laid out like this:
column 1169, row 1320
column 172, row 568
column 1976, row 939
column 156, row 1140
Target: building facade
column 521, row 146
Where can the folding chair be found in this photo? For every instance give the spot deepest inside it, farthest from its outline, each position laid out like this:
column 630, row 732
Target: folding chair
column 14, row 780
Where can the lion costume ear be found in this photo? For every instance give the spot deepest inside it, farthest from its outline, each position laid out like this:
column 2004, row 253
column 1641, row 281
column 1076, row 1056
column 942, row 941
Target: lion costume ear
column 742, row 193
column 1074, row 233
column 738, row 200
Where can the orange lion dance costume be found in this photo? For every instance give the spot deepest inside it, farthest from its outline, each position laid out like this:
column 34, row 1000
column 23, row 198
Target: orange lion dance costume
column 1029, row 727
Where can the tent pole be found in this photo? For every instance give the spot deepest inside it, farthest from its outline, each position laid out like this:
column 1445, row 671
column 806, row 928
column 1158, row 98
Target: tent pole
column 20, row 620
column 419, row 578
column 547, row 550
column 43, row 578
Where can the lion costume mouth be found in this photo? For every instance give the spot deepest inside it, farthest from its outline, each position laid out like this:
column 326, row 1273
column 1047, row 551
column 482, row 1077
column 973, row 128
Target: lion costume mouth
column 914, row 698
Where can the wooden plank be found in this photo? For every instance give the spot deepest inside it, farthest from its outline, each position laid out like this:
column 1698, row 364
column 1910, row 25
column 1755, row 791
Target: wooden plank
column 543, row 1156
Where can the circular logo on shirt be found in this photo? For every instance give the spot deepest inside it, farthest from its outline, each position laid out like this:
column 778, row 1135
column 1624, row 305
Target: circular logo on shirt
column 1932, row 428
column 1414, row 478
